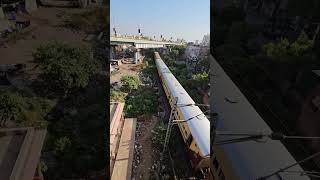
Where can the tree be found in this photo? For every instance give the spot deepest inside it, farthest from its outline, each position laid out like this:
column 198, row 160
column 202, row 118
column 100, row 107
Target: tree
column 130, row 83
column 24, row 111
column 174, row 54
column 278, row 49
column 284, row 50
column 10, row 107
column 64, row 68
column 143, row 104
column 300, row 46
column 201, row 80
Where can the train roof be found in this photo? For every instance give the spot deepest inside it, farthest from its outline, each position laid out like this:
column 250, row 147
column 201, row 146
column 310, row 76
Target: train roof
column 199, row 125
column 250, row 159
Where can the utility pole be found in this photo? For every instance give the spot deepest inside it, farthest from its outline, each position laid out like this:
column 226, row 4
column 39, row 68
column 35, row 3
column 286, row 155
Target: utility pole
column 170, row 124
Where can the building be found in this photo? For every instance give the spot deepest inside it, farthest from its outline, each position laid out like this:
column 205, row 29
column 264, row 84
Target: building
column 206, row 40
column 20, row 153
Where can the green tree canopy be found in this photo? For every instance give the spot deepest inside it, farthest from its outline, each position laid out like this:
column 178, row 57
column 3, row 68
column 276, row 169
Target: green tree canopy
column 130, row 83
column 65, row 68
column 201, row 80
column 24, row 111
column 146, row 102
column 283, row 48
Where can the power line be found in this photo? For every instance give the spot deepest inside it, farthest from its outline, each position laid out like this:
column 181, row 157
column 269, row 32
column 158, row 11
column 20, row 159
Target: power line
column 285, row 168
column 256, row 137
column 303, row 173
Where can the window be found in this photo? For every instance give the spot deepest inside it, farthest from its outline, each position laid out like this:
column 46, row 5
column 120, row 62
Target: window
column 216, row 163
column 189, row 140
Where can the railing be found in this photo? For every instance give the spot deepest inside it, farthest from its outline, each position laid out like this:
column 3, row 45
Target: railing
column 141, row 38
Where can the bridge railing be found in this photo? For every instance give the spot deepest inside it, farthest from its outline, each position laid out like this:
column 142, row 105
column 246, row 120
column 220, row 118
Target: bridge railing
column 140, row 38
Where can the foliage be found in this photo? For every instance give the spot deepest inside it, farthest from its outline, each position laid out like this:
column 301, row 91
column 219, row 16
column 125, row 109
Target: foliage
column 279, row 49
column 144, row 103
column 64, row 68
column 300, row 46
column 43, row 166
column 76, row 138
column 174, row 53
column 283, row 48
column 92, row 20
column 178, row 50
column 159, row 135
column 24, row 111
column 118, row 96
column 201, row 80
column 61, row 145
column 10, row 107
column 149, row 69
column 168, row 60
column 130, row 83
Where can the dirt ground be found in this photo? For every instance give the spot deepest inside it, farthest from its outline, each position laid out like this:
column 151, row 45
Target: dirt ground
column 142, row 167
column 125, row 69
column 46, row 25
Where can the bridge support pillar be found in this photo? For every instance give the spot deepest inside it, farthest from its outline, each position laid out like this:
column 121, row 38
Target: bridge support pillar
column 112, row 52
column 137, row 56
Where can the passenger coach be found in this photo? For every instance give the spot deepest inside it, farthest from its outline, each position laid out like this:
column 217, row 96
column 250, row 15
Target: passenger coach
column 196, row 128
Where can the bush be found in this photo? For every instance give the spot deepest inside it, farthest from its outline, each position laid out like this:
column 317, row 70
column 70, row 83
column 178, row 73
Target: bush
column 64, row 68
column 145, row 103
column 118, row 96
column 130, row 83
column 24, row 111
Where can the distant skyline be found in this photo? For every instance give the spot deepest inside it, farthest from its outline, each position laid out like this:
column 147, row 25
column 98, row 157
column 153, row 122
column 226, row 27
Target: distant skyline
column 187, row 19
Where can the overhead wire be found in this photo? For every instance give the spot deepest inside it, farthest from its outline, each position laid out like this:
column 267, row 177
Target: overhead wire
column 287, row 167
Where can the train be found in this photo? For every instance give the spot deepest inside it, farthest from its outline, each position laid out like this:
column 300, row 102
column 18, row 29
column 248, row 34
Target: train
column 194, row 126
column 248, row 160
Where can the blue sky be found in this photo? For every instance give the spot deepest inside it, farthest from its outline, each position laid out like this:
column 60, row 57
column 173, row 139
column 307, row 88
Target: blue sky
column 188, row 19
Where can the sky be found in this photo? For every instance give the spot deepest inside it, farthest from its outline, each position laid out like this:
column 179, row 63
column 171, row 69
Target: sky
column 187, row 19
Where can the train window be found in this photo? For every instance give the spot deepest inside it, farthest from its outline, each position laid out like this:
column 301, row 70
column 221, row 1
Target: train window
column 186, row 132
column 189, row 140
column 215, row 163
